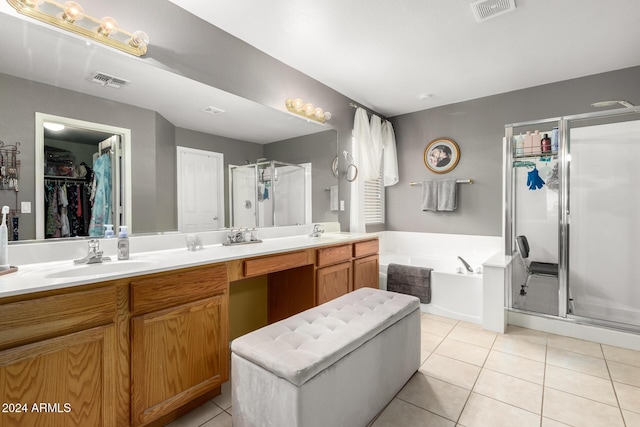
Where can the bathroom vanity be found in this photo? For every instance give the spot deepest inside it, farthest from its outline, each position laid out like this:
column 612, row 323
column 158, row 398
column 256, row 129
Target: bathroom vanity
column 141, row 348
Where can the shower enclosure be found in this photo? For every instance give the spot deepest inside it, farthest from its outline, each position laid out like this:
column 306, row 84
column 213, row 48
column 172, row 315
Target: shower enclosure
column 578, row 203
column 269, row 193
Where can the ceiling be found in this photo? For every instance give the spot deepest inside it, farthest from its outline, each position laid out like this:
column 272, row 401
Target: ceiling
column 41, row 53
column 388, row 54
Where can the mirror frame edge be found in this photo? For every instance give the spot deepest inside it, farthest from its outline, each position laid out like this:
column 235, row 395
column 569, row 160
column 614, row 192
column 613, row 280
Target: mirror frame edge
column 126, row 199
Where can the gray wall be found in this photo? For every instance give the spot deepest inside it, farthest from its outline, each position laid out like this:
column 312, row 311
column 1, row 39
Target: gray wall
column 21, row 99
column 319, row 149
column 478, row 128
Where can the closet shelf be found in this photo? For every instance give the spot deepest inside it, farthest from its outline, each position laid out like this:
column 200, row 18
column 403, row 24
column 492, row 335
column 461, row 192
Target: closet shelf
column 64, row 178
column 536, row 155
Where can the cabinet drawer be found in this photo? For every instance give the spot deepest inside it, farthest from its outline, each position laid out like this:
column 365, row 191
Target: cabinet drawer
column 40, row 318
column 368, row 247
column 171, row 289
column 333, row 255
column 270, row 264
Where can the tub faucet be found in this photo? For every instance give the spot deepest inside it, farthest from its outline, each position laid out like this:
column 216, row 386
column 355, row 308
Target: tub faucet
column 466, row 264
column 94, row 256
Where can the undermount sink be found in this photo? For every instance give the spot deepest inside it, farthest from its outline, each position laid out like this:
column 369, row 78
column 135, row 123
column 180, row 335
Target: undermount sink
column 97, row 269
column 331, row 236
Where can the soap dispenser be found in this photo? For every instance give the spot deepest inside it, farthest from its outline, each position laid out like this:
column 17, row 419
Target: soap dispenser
column 4, row 240
column 123, row 243
column 108, row 232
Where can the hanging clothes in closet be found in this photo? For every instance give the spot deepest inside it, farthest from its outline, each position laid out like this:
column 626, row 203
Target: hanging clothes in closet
column 66, row 209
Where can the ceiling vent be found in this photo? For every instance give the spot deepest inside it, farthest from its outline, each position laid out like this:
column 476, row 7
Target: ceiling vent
column 212, row 110
column 486, row 9
column 107, row 80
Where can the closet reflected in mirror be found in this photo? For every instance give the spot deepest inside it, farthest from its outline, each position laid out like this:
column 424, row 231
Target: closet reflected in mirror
column 82, row 172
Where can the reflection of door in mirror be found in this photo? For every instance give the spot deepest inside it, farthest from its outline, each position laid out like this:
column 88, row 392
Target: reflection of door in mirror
column 81, row 172
column 200, row 190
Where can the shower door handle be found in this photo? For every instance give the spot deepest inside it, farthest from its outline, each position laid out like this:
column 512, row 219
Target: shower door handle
column 215, row 218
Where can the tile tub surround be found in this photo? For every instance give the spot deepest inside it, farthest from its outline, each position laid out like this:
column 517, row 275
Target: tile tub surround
column 505, row 382
column 474, row 249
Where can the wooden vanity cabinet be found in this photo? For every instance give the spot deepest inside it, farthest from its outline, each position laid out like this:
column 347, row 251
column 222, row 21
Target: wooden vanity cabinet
column 366, row 264
column 58, row 359
column 179, row 339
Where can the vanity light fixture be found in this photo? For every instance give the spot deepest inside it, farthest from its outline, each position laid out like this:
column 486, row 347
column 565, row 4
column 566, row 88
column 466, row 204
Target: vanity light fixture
column 307, row 110
column 71, row 17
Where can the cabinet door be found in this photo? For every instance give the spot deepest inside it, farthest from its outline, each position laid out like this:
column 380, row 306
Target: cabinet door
column 365, row 272
column 64, row 381
column 333, row 281
column 177, row 354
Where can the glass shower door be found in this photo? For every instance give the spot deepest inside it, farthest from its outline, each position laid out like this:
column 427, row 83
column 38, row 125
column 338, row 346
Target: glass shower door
column 289, row 193
column 243, row 195
column 604, row 220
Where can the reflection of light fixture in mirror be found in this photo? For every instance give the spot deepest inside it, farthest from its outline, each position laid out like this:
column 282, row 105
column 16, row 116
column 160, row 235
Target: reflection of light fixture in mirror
column 71, row 17
column 307, row 110
column 55, row 127
column 610, row 103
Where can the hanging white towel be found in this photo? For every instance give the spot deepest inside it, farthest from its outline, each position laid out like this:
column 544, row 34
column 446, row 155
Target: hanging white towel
column 389, row 154
column 333, row 197
column 373, row 153
column 361, row 142
column 430, row 196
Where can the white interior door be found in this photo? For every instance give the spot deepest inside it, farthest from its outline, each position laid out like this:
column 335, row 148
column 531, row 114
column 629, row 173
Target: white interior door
column 200, row 190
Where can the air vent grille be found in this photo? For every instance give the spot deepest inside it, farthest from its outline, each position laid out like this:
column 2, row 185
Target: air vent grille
column 107, row 80
column 212, row 110
column 485, row 9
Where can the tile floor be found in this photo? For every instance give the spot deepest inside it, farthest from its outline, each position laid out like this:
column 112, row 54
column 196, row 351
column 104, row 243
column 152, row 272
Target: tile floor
column 474, row 378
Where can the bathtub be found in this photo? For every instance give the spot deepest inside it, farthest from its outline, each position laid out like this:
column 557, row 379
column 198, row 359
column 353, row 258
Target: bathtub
column 453, row 294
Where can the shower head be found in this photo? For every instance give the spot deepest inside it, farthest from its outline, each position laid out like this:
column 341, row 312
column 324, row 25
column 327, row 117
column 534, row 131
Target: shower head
column 610, row 103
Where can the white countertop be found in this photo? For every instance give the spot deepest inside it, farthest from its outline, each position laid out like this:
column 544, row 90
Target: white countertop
column 62, row 274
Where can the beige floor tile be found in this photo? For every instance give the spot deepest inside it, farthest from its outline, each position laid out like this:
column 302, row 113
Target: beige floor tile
column 424, row 355
column 621, row 355
column 577, row 362
column 530, row 335
column 626, row 374
column 462, row 351
column 578, row 411
column 429, row 342
column 476, row 326
column 222, row 420
column 472, row 336
column 439, row 318
column 516, row 366
column 439, row 397
column 628, row 396
column 482, row 411
column 198, row 416
column 587, row 348
column 520, row 347
column 450, row 370
column 434, row 327
column 223, row 400
column 402, row 414
column 595, row 388
column 632, row 419
column 511, row 390
column 548, row 422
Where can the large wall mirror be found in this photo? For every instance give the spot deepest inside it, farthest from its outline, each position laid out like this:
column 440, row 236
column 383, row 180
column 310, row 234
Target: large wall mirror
column 52, row 73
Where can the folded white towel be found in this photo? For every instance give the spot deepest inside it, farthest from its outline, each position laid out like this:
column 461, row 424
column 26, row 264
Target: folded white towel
column 429, row 196
column 447, row 197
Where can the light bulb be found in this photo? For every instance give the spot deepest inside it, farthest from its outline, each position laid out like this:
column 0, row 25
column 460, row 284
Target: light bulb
column 318, row 112
column 297, row 104
column 308, row 109
column 139, row 39
column 55, row 127
column 327, row 115
column 31, row 3
column 108, row 26
column 72, row 12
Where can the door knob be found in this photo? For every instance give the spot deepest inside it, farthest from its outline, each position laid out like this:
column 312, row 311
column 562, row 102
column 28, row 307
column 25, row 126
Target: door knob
column 215, row 218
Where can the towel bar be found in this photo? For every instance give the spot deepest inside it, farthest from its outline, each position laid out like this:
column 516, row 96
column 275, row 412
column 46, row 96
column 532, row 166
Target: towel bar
column 459, row 181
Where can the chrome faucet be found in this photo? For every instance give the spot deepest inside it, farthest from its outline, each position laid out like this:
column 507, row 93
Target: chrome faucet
column 466, row 264
column 317, row 231
column 94, row 256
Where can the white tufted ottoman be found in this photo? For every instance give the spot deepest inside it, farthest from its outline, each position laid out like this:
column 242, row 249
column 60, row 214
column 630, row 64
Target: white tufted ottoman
column 337, row 364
